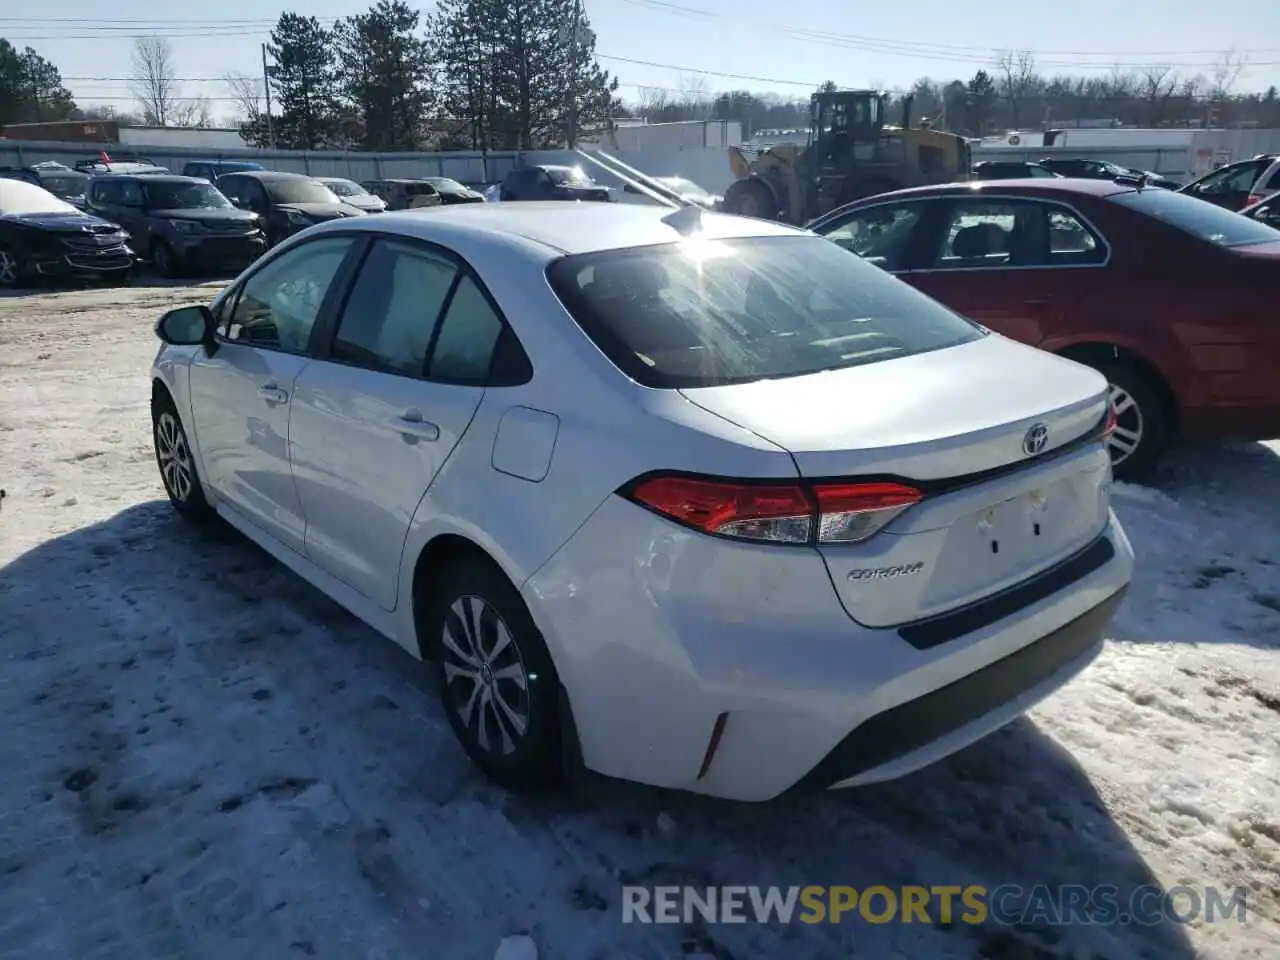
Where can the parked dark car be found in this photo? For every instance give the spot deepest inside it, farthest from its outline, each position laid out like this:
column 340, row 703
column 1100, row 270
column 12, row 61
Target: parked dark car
column 1082, row 268
column 551, row 183
column 286, row 202
column 1236, row 185
column 404, row 193
column 180, row 224
column 212, row 169
column 60, row 180
column 42, row 236
column 1266, row 211
column 451, row 191
column 1009, row 170
column 1087, row 169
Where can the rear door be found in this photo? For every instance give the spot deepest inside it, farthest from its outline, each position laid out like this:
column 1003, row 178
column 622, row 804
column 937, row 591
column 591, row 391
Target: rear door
column 376, row 418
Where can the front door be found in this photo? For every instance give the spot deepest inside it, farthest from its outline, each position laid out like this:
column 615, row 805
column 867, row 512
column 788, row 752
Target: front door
column 375, row 421
column 243, row 394
column 1010, row 264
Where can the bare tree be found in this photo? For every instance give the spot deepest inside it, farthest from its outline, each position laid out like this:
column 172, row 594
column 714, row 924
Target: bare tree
column 1017, row 77
column 695, row 96
column 195, row 112
column 248, row 95
column 155, row 81
column 1156, row 85
column 1225, row 74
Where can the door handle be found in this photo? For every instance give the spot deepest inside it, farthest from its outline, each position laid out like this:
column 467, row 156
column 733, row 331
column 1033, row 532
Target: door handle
column 411, row 423
column 273, row 394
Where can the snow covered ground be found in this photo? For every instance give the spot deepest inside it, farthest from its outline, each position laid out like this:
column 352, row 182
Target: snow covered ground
column 204, row 758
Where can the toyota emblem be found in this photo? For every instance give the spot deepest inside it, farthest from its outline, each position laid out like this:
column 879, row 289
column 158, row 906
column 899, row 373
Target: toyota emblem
column 1035, row 439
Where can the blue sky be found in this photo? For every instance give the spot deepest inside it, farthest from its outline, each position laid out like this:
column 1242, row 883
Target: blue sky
column 850, row 42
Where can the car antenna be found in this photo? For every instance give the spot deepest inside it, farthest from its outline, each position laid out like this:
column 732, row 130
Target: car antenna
column 685, row 221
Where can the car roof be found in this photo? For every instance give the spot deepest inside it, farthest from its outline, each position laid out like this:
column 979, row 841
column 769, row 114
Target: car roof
column 268, row 175
column 1027, row 185
column 569, row 228
column 149, row 177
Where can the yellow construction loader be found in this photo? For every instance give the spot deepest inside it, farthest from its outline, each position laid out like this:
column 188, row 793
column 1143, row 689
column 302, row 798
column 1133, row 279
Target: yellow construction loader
column 850, row 154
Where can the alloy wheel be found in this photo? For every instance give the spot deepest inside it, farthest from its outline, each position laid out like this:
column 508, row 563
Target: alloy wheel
column 175, row 457
column 485, row 676
column 1127, row 435
column 8, row 269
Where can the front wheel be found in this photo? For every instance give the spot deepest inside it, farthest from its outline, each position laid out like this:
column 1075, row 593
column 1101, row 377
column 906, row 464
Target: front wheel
column 497, row 682
column 1144, row 422
column 177, row 463
column 165, row 260
column 10, row 268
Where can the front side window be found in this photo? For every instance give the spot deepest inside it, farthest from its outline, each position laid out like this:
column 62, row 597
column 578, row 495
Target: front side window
column 1208, row 222
column 1229, row 180
column 880, row 235
column 701, row 313
column 301, row 190
column 278, row 305
column 392, row 311
column 131, row 194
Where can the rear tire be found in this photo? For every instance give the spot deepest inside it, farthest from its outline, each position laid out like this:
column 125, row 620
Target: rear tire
column 751, row 198
column 1144, row 422
column 497, row 681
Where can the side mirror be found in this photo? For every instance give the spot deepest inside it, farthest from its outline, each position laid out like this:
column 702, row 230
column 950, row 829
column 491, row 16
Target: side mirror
column 240, row 202
column 187, row 327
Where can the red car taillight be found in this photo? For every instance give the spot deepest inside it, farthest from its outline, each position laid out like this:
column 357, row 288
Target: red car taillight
column 1254, row 198
column 1109, row 427
column 775, row 512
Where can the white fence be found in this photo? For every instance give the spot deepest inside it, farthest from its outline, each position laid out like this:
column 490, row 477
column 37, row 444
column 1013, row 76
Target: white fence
column 706, row 166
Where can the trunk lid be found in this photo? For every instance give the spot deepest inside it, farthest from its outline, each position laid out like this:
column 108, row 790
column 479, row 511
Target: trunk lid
column 976, row 427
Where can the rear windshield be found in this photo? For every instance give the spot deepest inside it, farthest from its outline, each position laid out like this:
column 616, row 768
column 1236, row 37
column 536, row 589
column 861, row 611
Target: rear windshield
column 703, row 313
column 1198, row 217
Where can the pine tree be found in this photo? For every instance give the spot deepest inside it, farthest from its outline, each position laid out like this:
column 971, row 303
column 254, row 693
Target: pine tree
column 31, row 88
column 385, row 69
column 303, row 78
column 465, row 53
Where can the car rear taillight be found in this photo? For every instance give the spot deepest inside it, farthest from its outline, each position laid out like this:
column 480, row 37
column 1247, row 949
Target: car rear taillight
column 1253, row 198
column 774, row 512
column 1109, row 425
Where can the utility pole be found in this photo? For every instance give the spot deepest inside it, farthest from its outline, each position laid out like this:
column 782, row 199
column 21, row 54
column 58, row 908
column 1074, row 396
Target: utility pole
column 572, row 136
column 266, row 86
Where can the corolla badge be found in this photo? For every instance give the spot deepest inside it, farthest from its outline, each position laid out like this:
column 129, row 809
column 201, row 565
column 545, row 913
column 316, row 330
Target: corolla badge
column 1035, row 439
column 884, row 573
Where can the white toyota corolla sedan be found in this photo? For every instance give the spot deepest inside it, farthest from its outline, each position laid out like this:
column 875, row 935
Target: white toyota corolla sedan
column 692, row 500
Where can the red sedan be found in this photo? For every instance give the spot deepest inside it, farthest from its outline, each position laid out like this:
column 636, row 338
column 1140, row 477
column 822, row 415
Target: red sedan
column 1173, row 299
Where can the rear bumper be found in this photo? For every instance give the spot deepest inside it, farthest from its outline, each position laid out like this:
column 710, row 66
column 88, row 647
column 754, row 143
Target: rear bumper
column 657, row 633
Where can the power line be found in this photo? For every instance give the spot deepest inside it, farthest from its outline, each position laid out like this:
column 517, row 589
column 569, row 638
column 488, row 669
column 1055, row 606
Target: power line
column 912, row 45
column 113, row 28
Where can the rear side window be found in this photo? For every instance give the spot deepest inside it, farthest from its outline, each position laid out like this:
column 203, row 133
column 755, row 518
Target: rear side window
column 391, row 313
column 1204, row 220
column 705, row 313
column 1273, row 181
